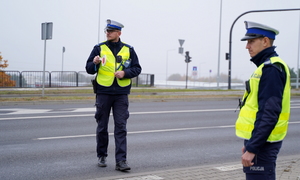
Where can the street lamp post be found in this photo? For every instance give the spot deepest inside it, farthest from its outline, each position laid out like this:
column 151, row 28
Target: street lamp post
column 62, row 59
column 220, row 26
column 230, row 36
column 62, row 64
column 297, row 77
column 99, row 21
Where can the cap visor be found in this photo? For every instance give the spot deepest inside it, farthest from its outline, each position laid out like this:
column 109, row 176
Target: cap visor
column 111, row 28
column 252, row 36
column 247, row 37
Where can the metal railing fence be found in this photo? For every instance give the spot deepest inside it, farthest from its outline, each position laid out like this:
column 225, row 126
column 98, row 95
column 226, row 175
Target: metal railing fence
column 34, row 79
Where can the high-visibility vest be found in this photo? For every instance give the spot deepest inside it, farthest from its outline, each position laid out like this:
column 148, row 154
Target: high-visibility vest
column 247, row 116
column 106, row 72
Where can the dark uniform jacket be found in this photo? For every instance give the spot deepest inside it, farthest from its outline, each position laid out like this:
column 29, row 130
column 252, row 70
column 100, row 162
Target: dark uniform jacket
column 270, row 95
column 134, row 70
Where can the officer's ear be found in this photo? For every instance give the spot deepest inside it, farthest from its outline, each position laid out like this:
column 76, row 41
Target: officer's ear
column 119, row 33
column 266, row 42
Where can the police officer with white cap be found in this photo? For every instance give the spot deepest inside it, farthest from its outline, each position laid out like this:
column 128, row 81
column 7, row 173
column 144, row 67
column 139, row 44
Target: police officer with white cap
column 115, row 64
column 265, row 108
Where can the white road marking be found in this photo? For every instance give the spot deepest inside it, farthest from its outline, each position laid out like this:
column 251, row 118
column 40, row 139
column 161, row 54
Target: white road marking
column 147, row 177
column 148, row 131
column 85, row 109
column 229, row 167
column 139, row 132
column 91, row 115
column 66, row 137
column 132, row 113
column 42, row 117
column 32, row 111
column 25, row 111
column 18, row 111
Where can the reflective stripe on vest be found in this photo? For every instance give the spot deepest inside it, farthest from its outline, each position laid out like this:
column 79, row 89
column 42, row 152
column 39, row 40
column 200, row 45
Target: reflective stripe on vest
column 247, row 116
column 106, row 72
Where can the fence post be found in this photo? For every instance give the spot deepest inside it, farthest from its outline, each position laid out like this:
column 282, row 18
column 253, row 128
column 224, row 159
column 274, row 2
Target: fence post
column 20, row 79
column 137, row 81
column 49, row 79
column 151, row 80
column 77, row 78
column 148, row 78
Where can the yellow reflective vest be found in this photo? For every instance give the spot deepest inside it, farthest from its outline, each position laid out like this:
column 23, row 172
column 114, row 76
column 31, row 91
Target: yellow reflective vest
column 106, row 71
column 247, row 116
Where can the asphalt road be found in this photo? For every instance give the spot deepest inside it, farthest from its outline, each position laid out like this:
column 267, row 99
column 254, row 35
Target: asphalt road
column 57, row 141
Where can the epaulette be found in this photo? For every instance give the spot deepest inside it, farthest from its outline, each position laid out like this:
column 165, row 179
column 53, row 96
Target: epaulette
column 267, row 62
column 276, row 65
column 101, row 43
column 127, row 45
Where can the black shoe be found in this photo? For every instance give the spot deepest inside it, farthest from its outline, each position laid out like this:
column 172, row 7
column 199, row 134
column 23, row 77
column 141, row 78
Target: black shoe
column 122, row 166
column 102, row 161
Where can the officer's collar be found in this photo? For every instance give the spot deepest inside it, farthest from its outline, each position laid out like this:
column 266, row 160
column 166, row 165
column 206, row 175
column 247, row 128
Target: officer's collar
column 263, row 55
column 110, row 43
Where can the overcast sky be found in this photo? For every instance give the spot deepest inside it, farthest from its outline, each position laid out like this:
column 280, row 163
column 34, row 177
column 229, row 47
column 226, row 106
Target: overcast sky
column 152, row 27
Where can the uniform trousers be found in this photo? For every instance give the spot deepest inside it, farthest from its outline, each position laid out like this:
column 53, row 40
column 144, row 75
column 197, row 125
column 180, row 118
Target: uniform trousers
column 264, row 167
column 119, row 106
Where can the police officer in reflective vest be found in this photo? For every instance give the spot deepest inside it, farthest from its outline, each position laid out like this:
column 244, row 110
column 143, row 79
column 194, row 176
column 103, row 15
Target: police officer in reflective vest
column 115, row 64
column 265, row 108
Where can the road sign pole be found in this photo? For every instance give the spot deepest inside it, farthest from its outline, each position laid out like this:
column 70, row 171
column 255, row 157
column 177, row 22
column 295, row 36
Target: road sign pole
column 46, row 34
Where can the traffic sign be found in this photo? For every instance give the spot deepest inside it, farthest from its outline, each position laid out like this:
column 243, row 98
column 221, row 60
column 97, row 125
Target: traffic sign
column 181, row 41
column 47, row 30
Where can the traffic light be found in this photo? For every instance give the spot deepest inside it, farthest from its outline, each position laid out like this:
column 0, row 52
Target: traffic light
column 187, row 57
column 227, row 56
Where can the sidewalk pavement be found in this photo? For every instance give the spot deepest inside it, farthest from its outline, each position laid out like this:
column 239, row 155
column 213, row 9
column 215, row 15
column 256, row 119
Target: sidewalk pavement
column 288, row 168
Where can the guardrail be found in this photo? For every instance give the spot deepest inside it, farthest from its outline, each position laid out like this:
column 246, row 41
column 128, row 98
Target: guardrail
column 34, row 79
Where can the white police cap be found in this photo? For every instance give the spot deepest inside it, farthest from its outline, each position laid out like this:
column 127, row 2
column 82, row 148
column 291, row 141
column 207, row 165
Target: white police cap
column 256, row 30
column 113, row 25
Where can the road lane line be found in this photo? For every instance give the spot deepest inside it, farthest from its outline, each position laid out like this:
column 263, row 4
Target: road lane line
column 132, row 113
column 89, row 109
column 139, row 132
column 42, row 117
column 148, row 131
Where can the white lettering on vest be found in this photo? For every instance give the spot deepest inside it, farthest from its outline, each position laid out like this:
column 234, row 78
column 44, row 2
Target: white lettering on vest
column 257, row 168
